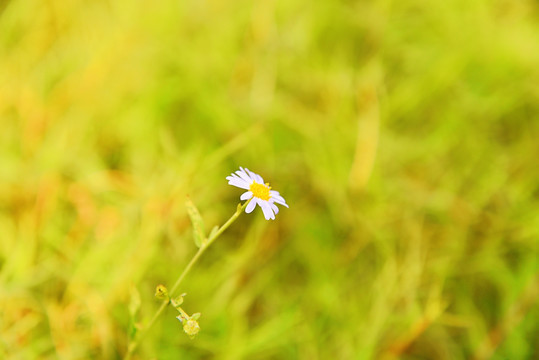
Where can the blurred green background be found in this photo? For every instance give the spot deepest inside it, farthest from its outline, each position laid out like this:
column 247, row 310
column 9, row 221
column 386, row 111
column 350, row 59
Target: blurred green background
column 404, row 135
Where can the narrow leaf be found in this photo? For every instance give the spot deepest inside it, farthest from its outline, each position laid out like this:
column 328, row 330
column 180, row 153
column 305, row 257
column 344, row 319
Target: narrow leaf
column 134, row 307
column 134, row 302
column 213, row 231
column 198, row 223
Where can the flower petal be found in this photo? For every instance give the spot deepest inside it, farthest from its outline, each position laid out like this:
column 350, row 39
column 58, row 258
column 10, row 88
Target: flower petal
column 274, row 208
column 266, row 209
column 246, row 195
column 278, row 198
column 242, row 174
column 251, row 174
column 238, row 183
column 251, row 206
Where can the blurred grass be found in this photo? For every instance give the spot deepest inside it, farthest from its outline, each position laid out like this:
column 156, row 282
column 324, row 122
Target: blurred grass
column 404, row 136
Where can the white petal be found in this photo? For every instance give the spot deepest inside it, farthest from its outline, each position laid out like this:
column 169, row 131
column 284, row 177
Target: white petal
column 259, row 179
column 274, row 208
column 246, row 195
column 251, row 206
column 233, row 176
column 244, row 176
column 246, row 171
column 239, row 183
column 251, row 174
column 279, row 200
column 266, row 208
column 233, row 179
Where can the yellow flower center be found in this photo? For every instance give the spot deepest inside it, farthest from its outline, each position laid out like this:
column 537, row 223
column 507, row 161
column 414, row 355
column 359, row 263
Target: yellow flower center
column 260, row 191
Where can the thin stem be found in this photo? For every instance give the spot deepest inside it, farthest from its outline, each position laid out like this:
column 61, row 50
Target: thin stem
column 184, row 315
column 133, row 346
column 225, row 226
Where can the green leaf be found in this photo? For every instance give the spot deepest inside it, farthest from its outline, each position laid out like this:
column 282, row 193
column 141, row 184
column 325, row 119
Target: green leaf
column 132, row 332
column 176, row 302
column 134, row 302
column 213, row 231
column 198, row 223
column 134, row 307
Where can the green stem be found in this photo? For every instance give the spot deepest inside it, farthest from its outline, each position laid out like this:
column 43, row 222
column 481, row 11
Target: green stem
column 225, row 226
column 133, row 346
column 184, row 315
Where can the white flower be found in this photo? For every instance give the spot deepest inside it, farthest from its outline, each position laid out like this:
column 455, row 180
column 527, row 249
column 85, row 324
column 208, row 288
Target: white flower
column 260, row 192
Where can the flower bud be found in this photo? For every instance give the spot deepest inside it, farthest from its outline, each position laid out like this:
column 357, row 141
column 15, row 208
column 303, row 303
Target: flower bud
column 161, row 292
column 191, row 327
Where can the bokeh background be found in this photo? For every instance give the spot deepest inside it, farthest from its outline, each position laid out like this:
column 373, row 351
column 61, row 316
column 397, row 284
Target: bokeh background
column 403, row 134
